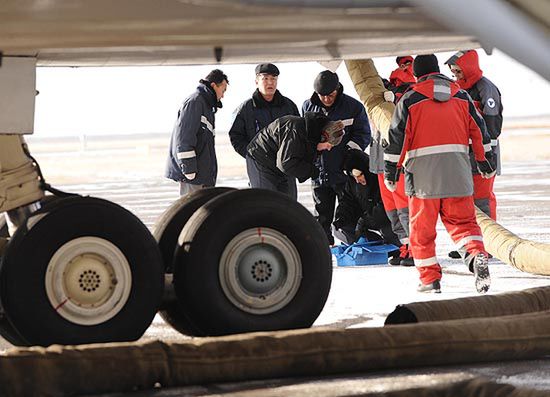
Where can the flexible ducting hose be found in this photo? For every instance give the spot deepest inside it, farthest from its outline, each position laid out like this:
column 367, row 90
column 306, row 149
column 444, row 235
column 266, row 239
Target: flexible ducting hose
column 57, row 370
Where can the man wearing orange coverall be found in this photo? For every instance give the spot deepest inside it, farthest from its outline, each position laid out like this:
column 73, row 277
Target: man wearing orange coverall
column 429, row 138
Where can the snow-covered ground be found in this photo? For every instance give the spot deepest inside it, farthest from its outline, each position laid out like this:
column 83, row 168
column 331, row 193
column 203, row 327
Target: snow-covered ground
column 131, row 175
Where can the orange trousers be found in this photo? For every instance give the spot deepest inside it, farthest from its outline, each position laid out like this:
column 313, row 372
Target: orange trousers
column 458, row 217
column 396, row 205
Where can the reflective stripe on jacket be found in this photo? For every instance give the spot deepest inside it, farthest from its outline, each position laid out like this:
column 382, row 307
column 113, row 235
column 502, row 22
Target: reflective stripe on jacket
column 431, row 129
column 192, row 143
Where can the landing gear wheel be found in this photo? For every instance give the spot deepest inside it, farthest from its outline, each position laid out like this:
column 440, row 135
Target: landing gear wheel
column 84, row 270
column 252, row 260
column 168, row 226
column 6, row 329
column 167, row 231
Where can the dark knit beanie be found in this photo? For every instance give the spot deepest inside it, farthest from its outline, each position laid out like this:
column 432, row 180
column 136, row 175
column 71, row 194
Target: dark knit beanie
column 325, row 82
column 356, row 159
column 424, row 64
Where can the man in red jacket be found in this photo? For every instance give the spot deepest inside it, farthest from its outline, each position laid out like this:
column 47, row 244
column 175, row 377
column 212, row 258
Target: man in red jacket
column 401, row 78
column 432, row 126
column 396, row 203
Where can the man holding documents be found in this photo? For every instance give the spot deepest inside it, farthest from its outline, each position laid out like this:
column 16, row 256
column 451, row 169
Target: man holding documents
column 330, row 100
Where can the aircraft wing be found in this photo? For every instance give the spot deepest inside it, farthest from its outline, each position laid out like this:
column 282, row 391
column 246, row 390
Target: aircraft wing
column 161, row 32
column 170, row 32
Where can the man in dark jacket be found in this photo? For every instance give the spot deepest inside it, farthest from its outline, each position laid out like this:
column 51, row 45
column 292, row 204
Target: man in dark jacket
column 329, row 99
column 266, row 105
column 360, row 212
column 432, row 127
column 465, row 67
column 192, row 159
column 286, row 150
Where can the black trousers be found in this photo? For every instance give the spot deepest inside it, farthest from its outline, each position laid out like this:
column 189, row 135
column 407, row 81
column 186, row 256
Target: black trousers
column 265, row 178
column 324, row 198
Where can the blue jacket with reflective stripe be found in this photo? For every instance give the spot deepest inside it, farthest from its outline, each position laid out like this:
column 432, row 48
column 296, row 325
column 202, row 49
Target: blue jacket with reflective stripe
column 330, row 163
column 192, row 143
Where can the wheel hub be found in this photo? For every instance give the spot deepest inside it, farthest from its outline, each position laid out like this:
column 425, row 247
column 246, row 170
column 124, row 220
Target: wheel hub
column 88, row 280
column 260, row 270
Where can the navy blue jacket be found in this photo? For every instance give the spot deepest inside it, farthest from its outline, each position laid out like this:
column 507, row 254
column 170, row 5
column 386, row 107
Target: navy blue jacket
column 192, row 143
column 330, row 163
column 256, row 113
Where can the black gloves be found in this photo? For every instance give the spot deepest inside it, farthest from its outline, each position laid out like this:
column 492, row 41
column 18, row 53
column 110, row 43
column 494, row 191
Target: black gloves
column 486, row 169
column 391, row 175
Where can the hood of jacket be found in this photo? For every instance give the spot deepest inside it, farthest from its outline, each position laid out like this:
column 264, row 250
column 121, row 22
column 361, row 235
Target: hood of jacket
column 356, row 159
column 402, row 76
column 437, row 87
column 468, row 62
column 315, row 123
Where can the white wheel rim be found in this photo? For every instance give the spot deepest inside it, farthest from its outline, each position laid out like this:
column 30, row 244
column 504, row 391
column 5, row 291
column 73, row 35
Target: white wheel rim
column 260, row 271
column 88, row 280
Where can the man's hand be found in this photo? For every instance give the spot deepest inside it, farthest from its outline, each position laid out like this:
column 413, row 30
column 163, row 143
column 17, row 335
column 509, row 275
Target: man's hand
column 391, row 175
column 323, row 146
column 392, row 186
column 389, row 96
column 486, row 169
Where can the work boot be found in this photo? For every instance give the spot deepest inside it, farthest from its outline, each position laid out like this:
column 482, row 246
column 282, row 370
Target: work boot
column 403, row 254
column 394, row 257
column 454, row 255
column 481, row 273
column 406, row 257
column 434, row 286
column 395, row 261
column 408, row 261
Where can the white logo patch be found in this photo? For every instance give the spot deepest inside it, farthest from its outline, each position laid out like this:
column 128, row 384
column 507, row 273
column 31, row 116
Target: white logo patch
column 491, row 103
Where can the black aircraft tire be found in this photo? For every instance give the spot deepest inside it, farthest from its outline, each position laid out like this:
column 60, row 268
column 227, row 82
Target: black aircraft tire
column 7, row 331
column 167, row 230
column 133, row 269
column 168, row 227
column 262, row 220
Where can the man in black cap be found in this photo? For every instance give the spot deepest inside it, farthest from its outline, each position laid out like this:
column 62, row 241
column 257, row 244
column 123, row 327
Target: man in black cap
column 330, row 100
column 192, row 160
column 266, row 105
column 433, row 153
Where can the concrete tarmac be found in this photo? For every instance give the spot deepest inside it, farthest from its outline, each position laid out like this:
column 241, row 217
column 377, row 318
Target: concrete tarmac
column 360, row 296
